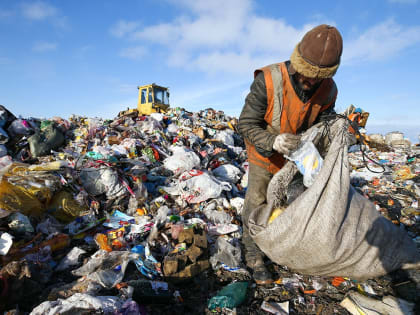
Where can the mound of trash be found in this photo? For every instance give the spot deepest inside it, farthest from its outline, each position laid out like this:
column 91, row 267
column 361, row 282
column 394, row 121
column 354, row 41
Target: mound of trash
column 141, row 215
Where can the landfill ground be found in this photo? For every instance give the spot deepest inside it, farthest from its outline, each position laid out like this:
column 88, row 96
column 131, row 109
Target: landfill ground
column 141, row 215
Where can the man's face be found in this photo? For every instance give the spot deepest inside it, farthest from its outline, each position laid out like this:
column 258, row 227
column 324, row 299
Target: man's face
column 305, row 83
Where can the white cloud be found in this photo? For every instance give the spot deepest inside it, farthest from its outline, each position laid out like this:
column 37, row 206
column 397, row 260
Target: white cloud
column 42, row 46
column 133, row 52
column 121, row 28
column 38, row 10
column 219, row 35
column 229, row 36
column 380, row 42
column 403, row 1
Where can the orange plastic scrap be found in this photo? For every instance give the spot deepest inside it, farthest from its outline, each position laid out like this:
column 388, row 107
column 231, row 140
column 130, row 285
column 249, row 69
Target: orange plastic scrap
column 337, row 281
column 279, row 281
column 375, row 182
column 102, row 241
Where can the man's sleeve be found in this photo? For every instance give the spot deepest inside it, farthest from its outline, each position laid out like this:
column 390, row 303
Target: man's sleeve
column 252, row 125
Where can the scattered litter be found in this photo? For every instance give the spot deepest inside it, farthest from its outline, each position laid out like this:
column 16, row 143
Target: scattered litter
column 141, row 215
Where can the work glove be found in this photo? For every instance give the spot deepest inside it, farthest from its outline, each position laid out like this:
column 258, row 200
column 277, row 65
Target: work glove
column 286, row 143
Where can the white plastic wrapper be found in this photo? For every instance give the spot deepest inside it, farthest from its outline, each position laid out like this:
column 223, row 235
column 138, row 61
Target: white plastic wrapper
column 198, row 188
column 238, row 204
column 182, row 160
column 226, row 136
column 71, row 259
column 217, row 217
column 307, row 159
column 149, row 126
column 226, row 254
column 6, row 241
column 202, row 187
column 228, row 173
column 172, row 128
column 105, row 268
column 157, row 116
column 80, row 303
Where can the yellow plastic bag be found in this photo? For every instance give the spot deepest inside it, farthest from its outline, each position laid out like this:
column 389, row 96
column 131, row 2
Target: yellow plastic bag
column 25, row 191
column 64, row 207
column 16, row 198
column 403, row 173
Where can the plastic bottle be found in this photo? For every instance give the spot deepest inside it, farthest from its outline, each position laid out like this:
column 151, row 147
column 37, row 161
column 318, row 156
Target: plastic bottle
column 230, row 296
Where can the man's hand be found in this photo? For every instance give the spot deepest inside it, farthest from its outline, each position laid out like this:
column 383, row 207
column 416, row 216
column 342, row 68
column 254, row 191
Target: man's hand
column 285, row 143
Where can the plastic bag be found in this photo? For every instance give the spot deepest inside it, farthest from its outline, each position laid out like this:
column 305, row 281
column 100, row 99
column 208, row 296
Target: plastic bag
column 217, row 217
column 71, row 259
column 80, row 303
column 20, row 223
column 150, row 125
column 202, row 187
column 99, row 181
column 5, row 116
column 307, row 159
column 228, row 173
column 159, row 219
column 172, row 128
column 41, row 143
column 226, row 254
column 403, row 173
column 50, row 226
column 105, row 268
column 6, row 241
column 226, row 137
column 146, row 263
column 230, row 296
column 20, row 127
column 64, row 207
column 25, row 191
column 182, row 160
column 5, row 161
column 238, row 204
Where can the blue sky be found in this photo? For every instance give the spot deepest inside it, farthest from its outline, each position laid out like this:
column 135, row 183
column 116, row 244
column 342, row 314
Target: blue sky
column 87, row 57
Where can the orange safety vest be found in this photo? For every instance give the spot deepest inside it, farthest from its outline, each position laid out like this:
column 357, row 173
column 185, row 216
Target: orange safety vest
column 286, row 113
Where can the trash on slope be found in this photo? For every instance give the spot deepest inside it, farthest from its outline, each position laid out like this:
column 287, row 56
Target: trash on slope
column 143, row 214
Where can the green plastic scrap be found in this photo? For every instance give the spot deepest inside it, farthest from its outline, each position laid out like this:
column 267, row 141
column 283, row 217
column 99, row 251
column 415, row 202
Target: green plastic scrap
column 149, row 153
column 229, row 297
column 45, row 124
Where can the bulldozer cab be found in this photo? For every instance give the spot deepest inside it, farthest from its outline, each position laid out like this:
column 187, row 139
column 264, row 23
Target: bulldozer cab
column 153, row 99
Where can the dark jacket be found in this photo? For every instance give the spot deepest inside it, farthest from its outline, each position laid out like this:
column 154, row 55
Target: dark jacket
column 252, row 125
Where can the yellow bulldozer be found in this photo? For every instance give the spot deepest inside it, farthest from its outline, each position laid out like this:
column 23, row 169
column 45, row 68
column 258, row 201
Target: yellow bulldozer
column 152, row 98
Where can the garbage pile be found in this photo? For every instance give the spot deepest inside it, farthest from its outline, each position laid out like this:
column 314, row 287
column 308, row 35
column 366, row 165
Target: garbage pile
column 141, row 215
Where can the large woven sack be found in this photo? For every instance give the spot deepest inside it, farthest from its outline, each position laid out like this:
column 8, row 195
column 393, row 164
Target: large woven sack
column 330, row 229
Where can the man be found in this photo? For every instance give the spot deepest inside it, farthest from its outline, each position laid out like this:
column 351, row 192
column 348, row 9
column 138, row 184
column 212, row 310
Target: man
column 285, row 99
